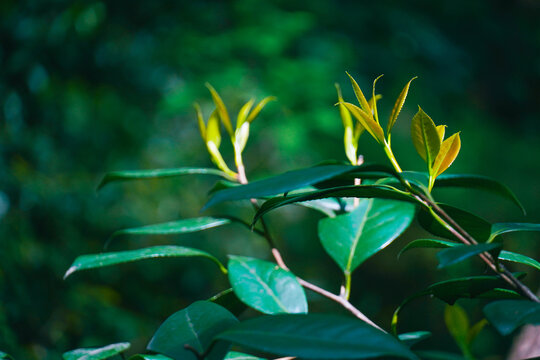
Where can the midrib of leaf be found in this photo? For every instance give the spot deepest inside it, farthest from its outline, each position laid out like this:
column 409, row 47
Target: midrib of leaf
column 426, row 144
column 192, row 328
column 357, row 237
column 265, row 286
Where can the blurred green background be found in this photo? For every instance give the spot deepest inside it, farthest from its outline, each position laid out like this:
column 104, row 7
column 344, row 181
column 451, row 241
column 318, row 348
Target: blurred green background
column 89, row 87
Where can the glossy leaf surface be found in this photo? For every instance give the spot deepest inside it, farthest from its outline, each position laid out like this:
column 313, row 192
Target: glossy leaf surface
column 316, row 336
column 447, row 154
column 518, row 258
column 507, row 315
column 352, row 238
column 93, row 261
column 104, row 352
column 157, row 174
column 196, row 326
column 427, row 244
column 503, row 228
column 425, row 137
column 359, row 95
column 266, row 287
column 367, row 122
column 459, row 253
column 398, row 105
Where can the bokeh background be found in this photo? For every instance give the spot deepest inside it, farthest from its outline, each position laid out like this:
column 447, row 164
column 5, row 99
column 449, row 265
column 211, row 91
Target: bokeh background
column 88, row 87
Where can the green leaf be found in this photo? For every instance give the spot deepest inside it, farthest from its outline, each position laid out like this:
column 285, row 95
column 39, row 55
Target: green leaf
column 367, row 122
column 4, row 355
column 259, row 107
column 363, row 191
column 412, row 338
column 477, row 227
column 279, row 184
column 507, row 315
column 93, row 261
column 229, row 300
column 522, row 259
column 196, row 326
column 475, row 330
column 265, row 287
column 359, row 95
column 398, row 105
column 503, row 228
column 243, row 113
column 104, row 352
column 149, row 357
column 315, row 336
column 425, row 137
column 480, row 183
column 221, row 109
column 158, row 174
column 459, row 253
column 457, row 323
column 352, row 238
column 427, row 243
column 438, row 355
column 233, row 355
column 373, row 101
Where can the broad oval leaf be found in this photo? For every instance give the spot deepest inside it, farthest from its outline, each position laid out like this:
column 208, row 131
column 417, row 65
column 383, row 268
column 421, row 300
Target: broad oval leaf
column 93, row 261
column 196, row 326
column 367, row 122
column 425, row 137
column 101, row 353
column 315, row 336
column 507, row 315
column 459, row 253
column 234, row 355
column 447, row 154
column 478, row 182
column 522, row 259
column 398, row 105
column 266, row 287
column 503, row 228
column 352, row 238
column 427, row 243
column 157, row 174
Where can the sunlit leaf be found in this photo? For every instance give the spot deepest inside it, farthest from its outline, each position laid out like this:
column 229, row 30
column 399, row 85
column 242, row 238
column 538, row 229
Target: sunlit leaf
column 213, row 134
column 447, row 154
column 398, row 106
column 101, row 353
column 441, row 129
column 243, row 113
column 315, row 336
column 259, row 107
column 93, row 261
column 507, row 315
column 266, row 287
column 352, row 238
column 158, row 174
column 503, row 228
column 221, row 109
column 373, row 103
column 460, row 253
column 518, row 258
column 360, row 95
column 241, row 136
column 196, row 326
column 367, row 121
column 425, row 137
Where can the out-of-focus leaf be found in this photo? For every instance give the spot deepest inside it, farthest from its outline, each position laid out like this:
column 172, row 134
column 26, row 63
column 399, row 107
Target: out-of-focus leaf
column 196, row 326
column 478, row 182
column 241, row 136
column 233, row 355
column 459, row 253
column 93, row 261
column 315, row 336
column 438, row 355
column 457, row 323
column 266, row 287
column 447, row 154
column 398, row 105
column 243, row 113
column 477, row 227
column 425, row 137
column 503, row 228
column 427, row 243
column 101, row 353
column 507, row 315
column 149, row 357
column 221, row 109
column 324, row 206
column 213, row 134
column 200, row 120
column 475, row 330
column 258, row 108
column 359, row 95
column 4, row 355
column 352, row 238
column 412, row 338
column 522, row 259
column 367, row 122
column 157, row 174
column 229, row 300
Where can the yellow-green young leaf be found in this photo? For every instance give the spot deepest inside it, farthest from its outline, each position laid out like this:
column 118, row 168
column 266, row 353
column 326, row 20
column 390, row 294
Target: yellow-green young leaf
column 359, row 95
column 373, row 99
column 475, row 330
column 350, row 145
column 425, row 137
column 202, row 127
column 241, row 136
column 441, row 129
column 243, row 113
column 343, row 112
column 222, row 110
column 398, row 105
column 457, row 323
column 373, row 102
column 447, row 154
column 212, row 130
column 367, row 121
column 259, row 107
column 218, row 159
column 358, row 130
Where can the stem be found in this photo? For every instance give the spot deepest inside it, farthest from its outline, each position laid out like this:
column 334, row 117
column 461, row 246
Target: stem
column 347, row 292
column 390, row 154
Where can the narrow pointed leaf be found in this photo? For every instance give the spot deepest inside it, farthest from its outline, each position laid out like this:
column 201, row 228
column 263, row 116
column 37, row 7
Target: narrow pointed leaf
column 367, row 122
column 447, row 154
column 213, row 134
column 200, row 119
column 158, row 174
column 241, row 136
column 373, row 101
column 243, row 113
column 352, row 238
column 234, row 355
column 93, row 261
column 196, row 326
column 427, row 244
column 425, row 137
column 101, row 353
column 316, row 336
column 398, row 106
column 221, row 109
column 475, row 330
column 359, row 95
column 480, row 183
column 522, row 259
column 266, row 287
column 412, row 338
column 258, row 108
column 460, row 253
column 507, row 315
column 344, row 113
column 503, row 228
column 279, row 184
column 457, row 323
